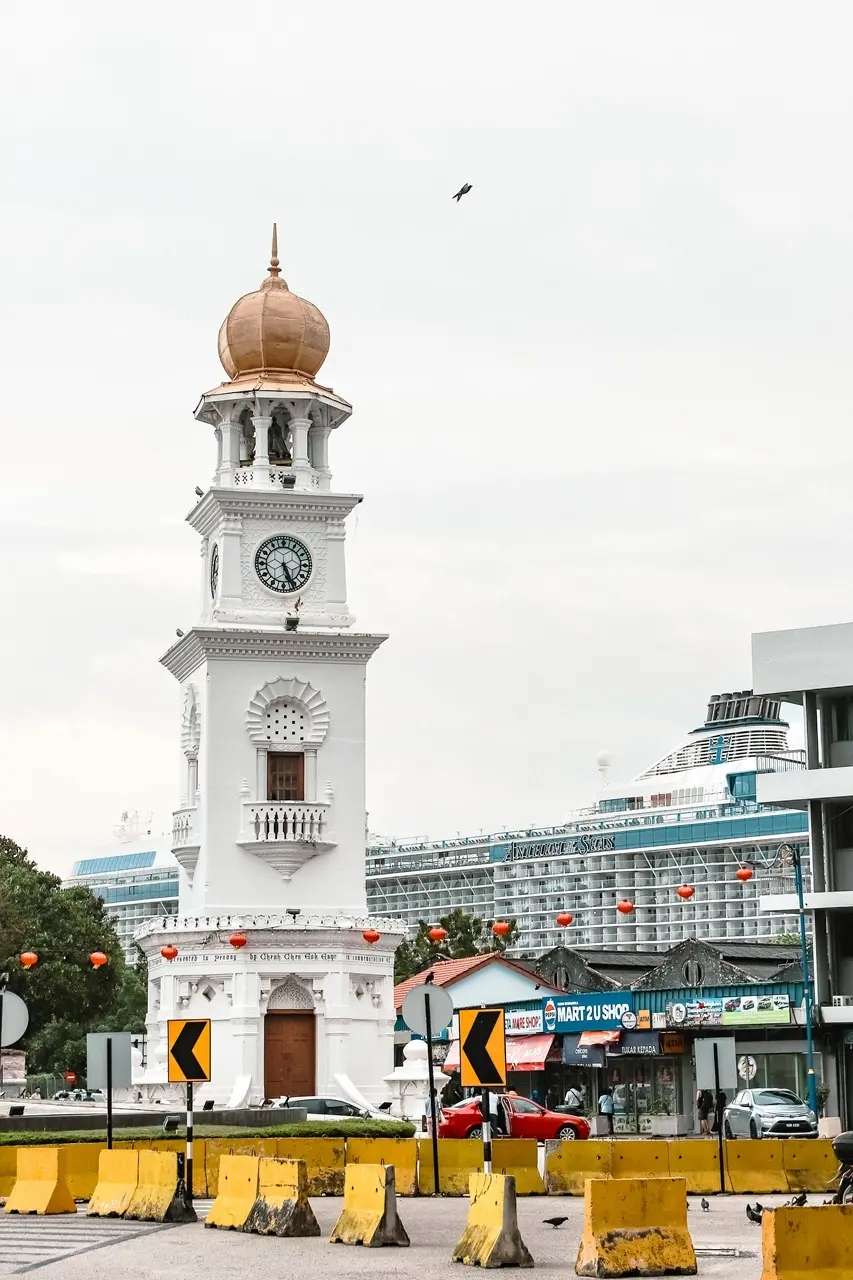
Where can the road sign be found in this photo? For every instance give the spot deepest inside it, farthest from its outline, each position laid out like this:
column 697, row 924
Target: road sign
column 96, row 1059
column 440, row 1009
column 482, row 1048
column 70, row 1077
column 189, row 1050
column 14, row 1020
column 747, row 1067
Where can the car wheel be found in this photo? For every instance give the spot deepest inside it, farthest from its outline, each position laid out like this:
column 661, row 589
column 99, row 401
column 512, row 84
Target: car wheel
column 476, row 1132
column 727, row 1129
column 753, row 1129
column 567, row 1133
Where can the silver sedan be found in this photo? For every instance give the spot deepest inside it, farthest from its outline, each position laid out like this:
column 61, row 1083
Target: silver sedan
column 769, row 1113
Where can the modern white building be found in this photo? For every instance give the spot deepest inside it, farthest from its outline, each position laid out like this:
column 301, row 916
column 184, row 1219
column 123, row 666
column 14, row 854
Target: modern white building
column 136, row 878
column 813, row 666
column 691, row 819
column 273, row 937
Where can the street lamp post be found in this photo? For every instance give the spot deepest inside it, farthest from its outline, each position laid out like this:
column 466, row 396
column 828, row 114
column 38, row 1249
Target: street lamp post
column 807, row 982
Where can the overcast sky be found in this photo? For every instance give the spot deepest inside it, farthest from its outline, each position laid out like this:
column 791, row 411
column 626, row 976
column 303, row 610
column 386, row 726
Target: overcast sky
column 602, row 406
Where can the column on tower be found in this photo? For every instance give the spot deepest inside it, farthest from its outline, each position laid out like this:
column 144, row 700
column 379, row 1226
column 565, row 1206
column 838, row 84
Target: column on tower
column 261, row 466
column 300, row 425
column 318, row 452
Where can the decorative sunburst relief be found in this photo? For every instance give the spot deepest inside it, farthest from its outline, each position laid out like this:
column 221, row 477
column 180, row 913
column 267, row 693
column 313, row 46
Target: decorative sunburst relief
column 191, row 723
column 302, row 706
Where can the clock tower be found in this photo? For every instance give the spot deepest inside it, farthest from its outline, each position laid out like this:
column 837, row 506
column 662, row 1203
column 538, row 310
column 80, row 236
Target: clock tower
column 270, row 833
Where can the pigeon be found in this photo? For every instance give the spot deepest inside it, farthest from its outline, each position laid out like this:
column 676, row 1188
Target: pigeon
column 554, row 1222
column 800, row 1201
column 199, row 493
column 178, row 632
column 463, row 191
column 754, row 1215
column 705, row 1205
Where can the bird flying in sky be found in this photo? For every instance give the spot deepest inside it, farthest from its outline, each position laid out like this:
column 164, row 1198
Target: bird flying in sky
column 463, row 191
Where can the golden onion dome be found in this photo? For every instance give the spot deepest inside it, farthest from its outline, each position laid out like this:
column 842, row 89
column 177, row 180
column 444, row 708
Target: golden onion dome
column 273, row 332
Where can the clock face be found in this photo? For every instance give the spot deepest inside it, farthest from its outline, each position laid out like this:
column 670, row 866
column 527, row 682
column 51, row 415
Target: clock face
column 283, row 563
column 214, row 570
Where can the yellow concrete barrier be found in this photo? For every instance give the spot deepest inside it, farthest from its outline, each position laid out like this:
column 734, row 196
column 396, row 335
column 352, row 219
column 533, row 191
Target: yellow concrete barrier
column 324, row 1162
column 236, row 1194
column 160, row 1195
column 41, row 1182
column 568, row 1165
column 810, row 1164
column 458, row 1158
column 118, row 1178
column 369, row 1215
column 755, row 1166
column 801, row 1244
column 640, row 1158
column 697, row 1161
column 216, row 1148
column 519, row 1158
column 82, row 1167
column 282, row 1207
column 636, row 1227
column 8, row 1165
column 491, row 1237
column 402, row 1153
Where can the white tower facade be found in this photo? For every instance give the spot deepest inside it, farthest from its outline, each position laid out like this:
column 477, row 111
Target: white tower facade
column 273, row 940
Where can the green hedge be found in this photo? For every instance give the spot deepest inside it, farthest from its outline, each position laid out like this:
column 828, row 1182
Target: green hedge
column 322, row 1129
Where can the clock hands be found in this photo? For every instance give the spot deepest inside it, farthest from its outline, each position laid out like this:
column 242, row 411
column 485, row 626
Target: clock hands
column 288, row 575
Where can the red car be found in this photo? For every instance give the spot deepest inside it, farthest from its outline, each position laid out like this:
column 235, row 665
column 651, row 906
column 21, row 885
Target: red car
column 524, row 1119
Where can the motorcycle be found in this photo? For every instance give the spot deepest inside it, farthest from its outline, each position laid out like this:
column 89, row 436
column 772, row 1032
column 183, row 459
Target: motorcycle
column 843, row 1148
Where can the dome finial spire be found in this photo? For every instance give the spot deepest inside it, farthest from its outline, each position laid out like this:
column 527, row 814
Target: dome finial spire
column 275, row 270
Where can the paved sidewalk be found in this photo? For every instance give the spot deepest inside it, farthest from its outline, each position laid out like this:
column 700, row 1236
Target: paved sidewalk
column 729, row 1247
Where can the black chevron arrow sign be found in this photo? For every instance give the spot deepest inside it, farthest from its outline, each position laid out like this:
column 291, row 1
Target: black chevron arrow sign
column 189, row 1050
column 483, row 1056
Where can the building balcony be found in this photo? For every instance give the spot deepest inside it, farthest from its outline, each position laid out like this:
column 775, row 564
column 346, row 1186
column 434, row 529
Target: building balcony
column 285, row 834
column 793, row 790
column 186, row 841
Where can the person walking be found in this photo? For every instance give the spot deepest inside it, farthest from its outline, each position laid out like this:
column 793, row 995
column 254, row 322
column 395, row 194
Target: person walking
column 704, row 1107
column 605, row 1108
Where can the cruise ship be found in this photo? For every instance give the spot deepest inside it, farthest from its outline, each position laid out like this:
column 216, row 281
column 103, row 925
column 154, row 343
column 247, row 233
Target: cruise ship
column 690, row 821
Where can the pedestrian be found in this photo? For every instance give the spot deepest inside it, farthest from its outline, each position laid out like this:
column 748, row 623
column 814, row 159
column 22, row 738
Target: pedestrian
column 573, row 1101
column 704, row 1107
column 496, row 1114
column 536, row 1097
column 605, row 1108
column 719, row 1107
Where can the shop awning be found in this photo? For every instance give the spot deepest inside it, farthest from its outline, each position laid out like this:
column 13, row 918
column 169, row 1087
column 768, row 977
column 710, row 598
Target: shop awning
column 599, row 1037
column 523, row 1053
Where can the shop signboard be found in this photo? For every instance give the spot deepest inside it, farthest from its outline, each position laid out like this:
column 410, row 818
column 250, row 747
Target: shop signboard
column 636, row 1044
column 576, row 1054
column 733, row 1011
column 523, row 1022
column 590, row 1011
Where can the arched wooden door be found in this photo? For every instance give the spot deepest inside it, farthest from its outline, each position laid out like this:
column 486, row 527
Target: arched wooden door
column 290, row 1053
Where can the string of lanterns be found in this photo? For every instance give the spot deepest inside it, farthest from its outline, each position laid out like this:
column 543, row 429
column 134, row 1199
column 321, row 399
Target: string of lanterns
column 29, row 959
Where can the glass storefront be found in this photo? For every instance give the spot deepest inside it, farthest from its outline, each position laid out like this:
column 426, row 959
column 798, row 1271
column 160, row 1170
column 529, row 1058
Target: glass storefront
column 643, row 1087
column 774, row 1071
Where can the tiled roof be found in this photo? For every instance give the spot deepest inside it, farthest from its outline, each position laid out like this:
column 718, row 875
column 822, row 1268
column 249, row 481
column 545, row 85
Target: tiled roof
column 445, row 972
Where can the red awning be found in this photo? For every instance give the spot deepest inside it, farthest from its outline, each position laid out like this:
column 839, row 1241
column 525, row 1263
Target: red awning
column 523, row 1053
column 599, row 1037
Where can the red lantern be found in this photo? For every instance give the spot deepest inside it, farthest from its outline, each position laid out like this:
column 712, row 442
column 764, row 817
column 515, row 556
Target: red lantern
column 238, row 940
column 437, row 934
column 371, row 936
column 743, row 874
column 98, row 959
column 685, row 891
column 501, row 928
column 28, row 959
column 564, row 919
column 169, row 951
column 625, row 906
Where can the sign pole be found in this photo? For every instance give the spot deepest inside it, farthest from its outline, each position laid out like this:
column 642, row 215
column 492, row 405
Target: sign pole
column 109, row 1093
column 4, row 980
column 432, row 1100
column 189, row 1161
column 487, row 1133
column 719, row 1114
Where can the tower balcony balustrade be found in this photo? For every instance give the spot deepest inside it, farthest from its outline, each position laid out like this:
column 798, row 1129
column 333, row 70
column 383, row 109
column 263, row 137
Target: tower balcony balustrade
column 186, row 841
column 285, row 834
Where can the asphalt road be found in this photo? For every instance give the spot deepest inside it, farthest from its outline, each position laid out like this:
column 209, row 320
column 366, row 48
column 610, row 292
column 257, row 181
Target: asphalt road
column 728, row 1247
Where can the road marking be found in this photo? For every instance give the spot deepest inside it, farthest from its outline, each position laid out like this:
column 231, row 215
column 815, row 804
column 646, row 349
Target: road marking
column 28, row 1242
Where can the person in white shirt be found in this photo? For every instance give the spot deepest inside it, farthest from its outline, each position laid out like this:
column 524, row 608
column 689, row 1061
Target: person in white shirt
column 573, row 1100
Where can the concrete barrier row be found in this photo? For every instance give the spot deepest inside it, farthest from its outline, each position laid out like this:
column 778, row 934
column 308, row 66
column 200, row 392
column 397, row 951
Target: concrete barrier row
column 752, row 1167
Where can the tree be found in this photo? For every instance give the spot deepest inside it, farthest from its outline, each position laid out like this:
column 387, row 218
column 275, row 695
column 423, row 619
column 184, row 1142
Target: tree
column 466, row 936
column 65, row 995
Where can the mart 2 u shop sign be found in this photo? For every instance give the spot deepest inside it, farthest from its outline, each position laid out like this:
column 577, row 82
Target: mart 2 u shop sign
column 595, row 1011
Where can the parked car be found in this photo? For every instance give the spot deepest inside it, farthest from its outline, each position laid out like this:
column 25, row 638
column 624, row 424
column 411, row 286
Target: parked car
column 524, row 1119
column 330, row 1108
column 768, row 1113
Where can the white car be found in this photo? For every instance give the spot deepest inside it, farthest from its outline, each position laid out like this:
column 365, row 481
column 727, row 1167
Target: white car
column 331, row 1109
